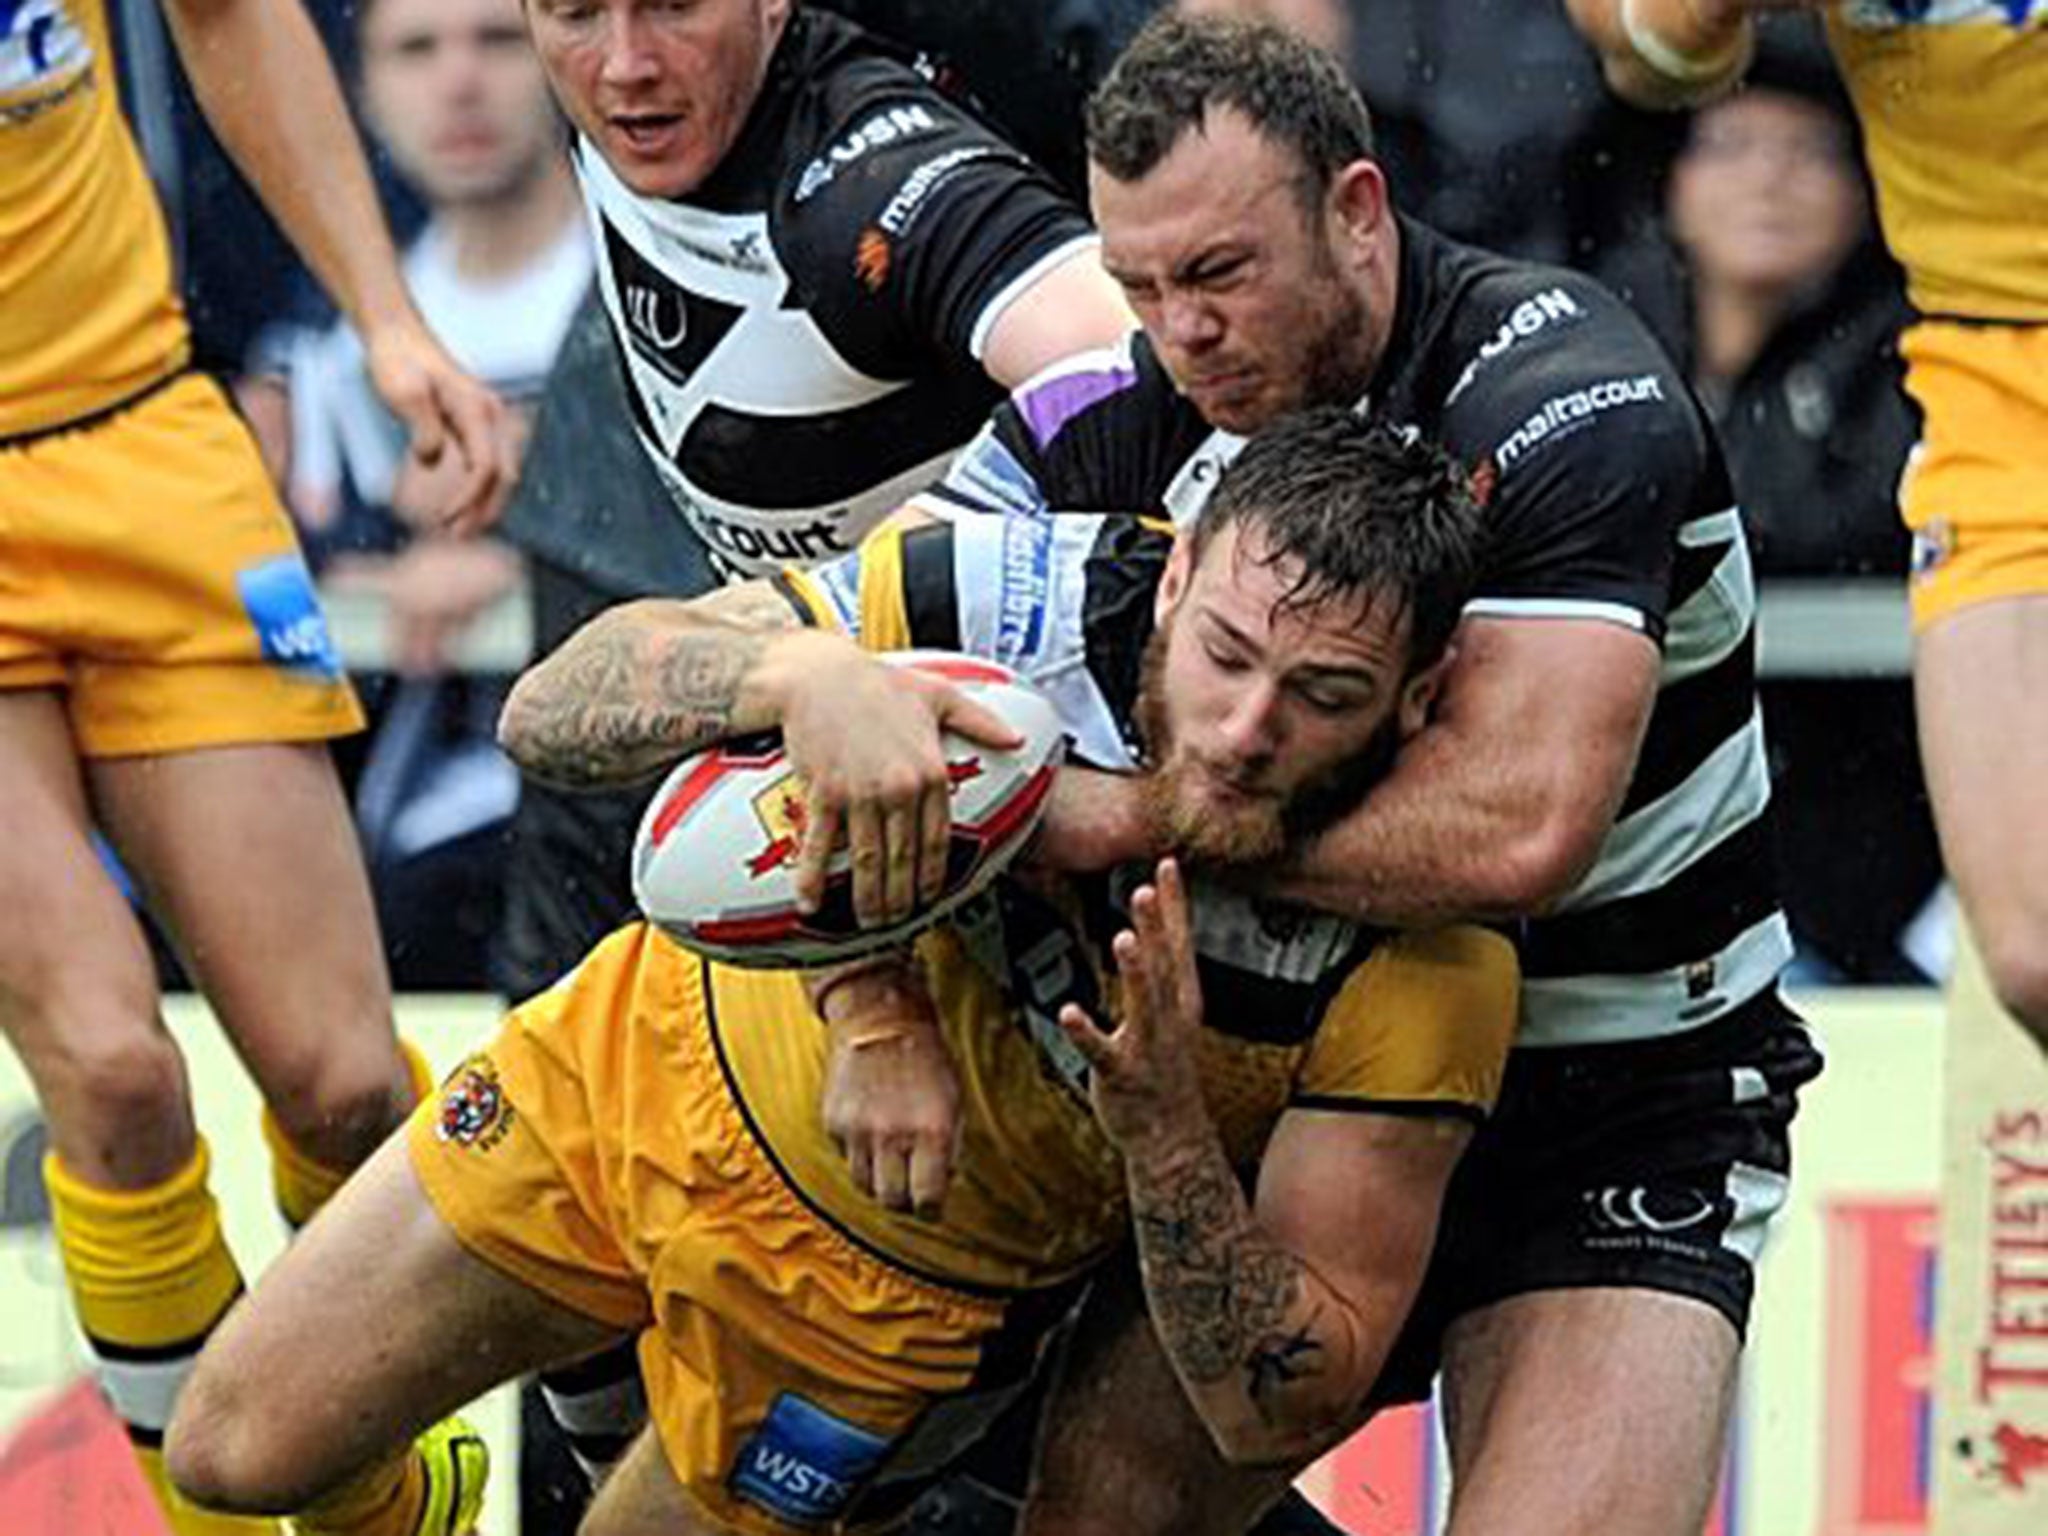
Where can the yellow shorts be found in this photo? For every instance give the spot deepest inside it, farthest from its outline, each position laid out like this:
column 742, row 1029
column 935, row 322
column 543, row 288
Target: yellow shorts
column 1975, row 492
column 148, row 572
column 595, row 1152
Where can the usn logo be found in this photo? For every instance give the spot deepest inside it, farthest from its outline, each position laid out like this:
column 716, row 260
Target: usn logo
column 473, row 1108
column 804, row 1464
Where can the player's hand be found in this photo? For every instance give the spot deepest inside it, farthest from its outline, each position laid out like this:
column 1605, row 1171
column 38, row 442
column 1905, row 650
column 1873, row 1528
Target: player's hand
column 434, row 590
column 1093, row 821
column 865, row 737
column 892, row 1098
column 1143, row 1074
column 449, row 415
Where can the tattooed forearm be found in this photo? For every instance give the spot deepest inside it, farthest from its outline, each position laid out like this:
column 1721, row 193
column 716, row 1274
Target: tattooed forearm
column 1250, row 1328
column 1219, row 1291
column 626, row 696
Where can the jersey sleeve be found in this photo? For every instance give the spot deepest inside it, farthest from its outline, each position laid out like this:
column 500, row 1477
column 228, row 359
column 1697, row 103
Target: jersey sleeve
column 1086, row 434
column 913, row 228
column 897, row 591
column 1421, row 1026
column 1592, row 457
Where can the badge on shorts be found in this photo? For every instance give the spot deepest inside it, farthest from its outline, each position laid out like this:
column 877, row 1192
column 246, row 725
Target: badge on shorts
column 474, row 1111
column 279, row 599
column 803, row 1464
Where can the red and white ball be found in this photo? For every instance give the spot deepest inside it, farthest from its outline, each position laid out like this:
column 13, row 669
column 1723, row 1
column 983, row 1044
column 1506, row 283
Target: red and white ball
column 714, row 864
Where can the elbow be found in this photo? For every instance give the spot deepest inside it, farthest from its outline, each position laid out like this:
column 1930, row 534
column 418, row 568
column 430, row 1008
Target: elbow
column 1282, row 1443
column 519, row 723
column 1539, row 871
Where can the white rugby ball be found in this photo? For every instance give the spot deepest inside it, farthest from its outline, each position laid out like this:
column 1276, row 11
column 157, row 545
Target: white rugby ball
column 714, row 864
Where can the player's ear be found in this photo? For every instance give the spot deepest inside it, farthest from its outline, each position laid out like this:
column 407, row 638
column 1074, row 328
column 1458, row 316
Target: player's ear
column 1420, row 693
column 1173, row 581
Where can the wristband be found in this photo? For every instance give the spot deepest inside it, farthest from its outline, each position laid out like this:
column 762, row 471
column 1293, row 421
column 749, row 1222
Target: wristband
column 1673, row 63
column 821, row 985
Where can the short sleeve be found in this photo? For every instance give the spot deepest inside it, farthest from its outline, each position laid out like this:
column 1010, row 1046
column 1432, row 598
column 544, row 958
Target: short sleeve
column 1421, row 1026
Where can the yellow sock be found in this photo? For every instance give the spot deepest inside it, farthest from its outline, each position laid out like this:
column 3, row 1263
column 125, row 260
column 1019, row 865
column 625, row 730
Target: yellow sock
column 150, row 1275
column 302, row 1184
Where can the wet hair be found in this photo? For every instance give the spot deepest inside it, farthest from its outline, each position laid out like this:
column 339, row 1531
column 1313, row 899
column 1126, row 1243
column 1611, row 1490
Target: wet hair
column 1364, row 511
column 1179, row 68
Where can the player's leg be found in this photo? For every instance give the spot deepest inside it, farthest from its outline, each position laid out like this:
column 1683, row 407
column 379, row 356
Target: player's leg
column 643, row 1497
column 1587, row 1410
column 137, row 1229
column 1979, row 675
column 249, row 855
column 375, row 1323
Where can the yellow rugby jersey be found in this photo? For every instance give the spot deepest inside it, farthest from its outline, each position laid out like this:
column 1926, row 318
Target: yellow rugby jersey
column 89, row 314
column 1953, row 98
column 1302, row 1009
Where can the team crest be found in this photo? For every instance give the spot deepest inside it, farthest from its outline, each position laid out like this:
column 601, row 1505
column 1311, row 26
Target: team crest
column 780, row 810
column 473, row 1108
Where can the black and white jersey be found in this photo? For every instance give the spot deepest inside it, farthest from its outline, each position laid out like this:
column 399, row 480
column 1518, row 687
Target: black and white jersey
column 1606, row 499
column 801, row 336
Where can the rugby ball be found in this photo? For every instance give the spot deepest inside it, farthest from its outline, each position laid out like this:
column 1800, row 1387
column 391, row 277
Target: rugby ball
column 714, row 864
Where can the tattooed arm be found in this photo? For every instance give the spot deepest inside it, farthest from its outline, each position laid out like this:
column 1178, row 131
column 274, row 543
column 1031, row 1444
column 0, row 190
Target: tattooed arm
column 1275, row 1313
column 646, row 683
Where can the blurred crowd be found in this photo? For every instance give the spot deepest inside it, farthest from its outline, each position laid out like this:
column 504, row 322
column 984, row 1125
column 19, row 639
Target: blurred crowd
column 1743, row 233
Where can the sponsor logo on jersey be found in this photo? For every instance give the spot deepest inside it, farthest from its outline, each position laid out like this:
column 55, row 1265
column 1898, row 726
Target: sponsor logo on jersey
column 656, row 314
column 1641, row 1209
column 900, row 212
column 891, row 125
column 739, row 253
column 1550, row 307
column 278, row 597
column 872, row 258
column 772, row 543
column 1027, row 585
column 1484, row 481
column 1564, row 414
column 474, row 1111
column 804, row 1464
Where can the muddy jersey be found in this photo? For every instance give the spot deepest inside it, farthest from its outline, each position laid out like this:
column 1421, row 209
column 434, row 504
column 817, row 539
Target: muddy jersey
column 801, row 335
column 1953, row 98
column 1607, row 500
column 88, row 313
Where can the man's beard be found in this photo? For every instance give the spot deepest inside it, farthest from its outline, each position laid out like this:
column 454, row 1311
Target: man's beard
column 1258, row 828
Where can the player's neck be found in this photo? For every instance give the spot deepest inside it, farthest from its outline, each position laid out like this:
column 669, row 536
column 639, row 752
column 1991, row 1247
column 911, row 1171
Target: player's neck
column 490, row 241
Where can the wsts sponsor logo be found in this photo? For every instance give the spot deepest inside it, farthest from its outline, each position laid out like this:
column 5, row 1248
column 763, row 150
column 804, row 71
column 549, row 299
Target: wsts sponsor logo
column 803, row 1464
column 900, row 211
column 1565, row 413
column 889, row 126
column 277, row 595
column 1547, row 308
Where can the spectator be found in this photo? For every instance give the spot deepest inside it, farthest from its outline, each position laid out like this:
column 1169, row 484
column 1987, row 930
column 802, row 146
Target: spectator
column 1795, row 314
column 454, row 94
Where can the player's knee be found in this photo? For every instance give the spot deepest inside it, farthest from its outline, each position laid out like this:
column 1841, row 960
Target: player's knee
column 218, row 1454
column 123, row 1069
column 2018, row 964
column 337, row 1105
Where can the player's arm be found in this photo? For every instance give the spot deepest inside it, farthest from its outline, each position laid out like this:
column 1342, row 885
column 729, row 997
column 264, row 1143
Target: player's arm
column 1074, row 307
column 1668, row 54
column 648, row 682
column 263, row 78
column 1499, row 805
column 1276, row 1313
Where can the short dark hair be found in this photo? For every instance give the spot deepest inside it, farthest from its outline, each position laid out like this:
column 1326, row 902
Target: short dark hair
column 1366, row 510
column 1179, row 67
